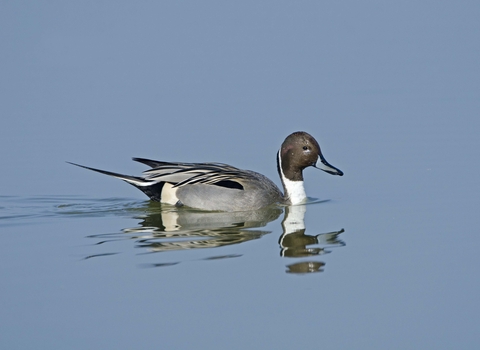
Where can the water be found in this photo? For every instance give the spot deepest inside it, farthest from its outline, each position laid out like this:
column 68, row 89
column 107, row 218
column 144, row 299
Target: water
column 138, row 262
column 163, row 228
column 76, row 264
column 384, row 257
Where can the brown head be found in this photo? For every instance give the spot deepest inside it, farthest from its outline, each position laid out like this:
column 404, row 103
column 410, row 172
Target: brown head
column 301, row 150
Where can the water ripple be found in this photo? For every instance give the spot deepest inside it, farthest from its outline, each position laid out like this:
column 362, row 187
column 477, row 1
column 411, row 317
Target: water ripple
column 161, row 228
column 16, row 210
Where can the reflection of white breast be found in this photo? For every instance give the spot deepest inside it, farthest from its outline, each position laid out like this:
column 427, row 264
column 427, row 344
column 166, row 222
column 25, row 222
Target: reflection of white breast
column 295, row 218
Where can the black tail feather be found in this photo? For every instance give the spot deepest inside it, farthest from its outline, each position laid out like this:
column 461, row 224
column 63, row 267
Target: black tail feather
column 152, row 190
column 126, row 178
column 150, row 162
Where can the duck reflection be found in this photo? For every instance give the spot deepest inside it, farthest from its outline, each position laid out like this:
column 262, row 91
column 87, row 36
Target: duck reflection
column 164, row 228
column 182, row 228
column 294, row 243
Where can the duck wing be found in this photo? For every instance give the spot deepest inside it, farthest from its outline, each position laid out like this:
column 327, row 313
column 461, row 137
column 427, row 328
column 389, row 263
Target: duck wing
column 182, row 174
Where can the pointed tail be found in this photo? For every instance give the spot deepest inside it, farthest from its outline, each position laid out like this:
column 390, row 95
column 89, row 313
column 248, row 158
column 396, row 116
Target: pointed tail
column 133, row 180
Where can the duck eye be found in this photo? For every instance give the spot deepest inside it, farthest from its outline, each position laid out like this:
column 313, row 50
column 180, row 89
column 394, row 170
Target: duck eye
column 305, row 148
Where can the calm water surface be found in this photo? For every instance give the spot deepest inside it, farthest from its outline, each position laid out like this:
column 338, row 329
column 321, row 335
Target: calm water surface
column 385, row 258
column 118, row 272
column 162, row 228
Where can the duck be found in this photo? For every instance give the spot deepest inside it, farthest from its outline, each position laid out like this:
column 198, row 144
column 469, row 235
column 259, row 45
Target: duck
column 222, row 187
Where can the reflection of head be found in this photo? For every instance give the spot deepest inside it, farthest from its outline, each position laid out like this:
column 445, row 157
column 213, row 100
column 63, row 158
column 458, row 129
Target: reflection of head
column 306, row 267
column 294, row 243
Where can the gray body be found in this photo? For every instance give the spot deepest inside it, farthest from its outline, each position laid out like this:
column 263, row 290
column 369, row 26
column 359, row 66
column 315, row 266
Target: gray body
column 222, row 187
column 259, row 191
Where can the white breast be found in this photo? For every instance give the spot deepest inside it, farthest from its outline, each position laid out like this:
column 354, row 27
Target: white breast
column 294, row 191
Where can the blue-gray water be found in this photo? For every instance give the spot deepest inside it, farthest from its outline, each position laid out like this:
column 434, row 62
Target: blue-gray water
column 384, row 257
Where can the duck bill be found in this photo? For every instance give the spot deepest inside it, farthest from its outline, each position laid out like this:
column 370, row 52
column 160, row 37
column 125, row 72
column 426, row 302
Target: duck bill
column 325, row 166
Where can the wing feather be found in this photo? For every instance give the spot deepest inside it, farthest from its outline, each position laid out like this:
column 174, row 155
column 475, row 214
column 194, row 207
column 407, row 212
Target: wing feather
column 182, row 174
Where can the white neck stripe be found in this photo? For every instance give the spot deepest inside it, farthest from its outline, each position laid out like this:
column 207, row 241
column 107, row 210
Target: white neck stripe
column 294, row 190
